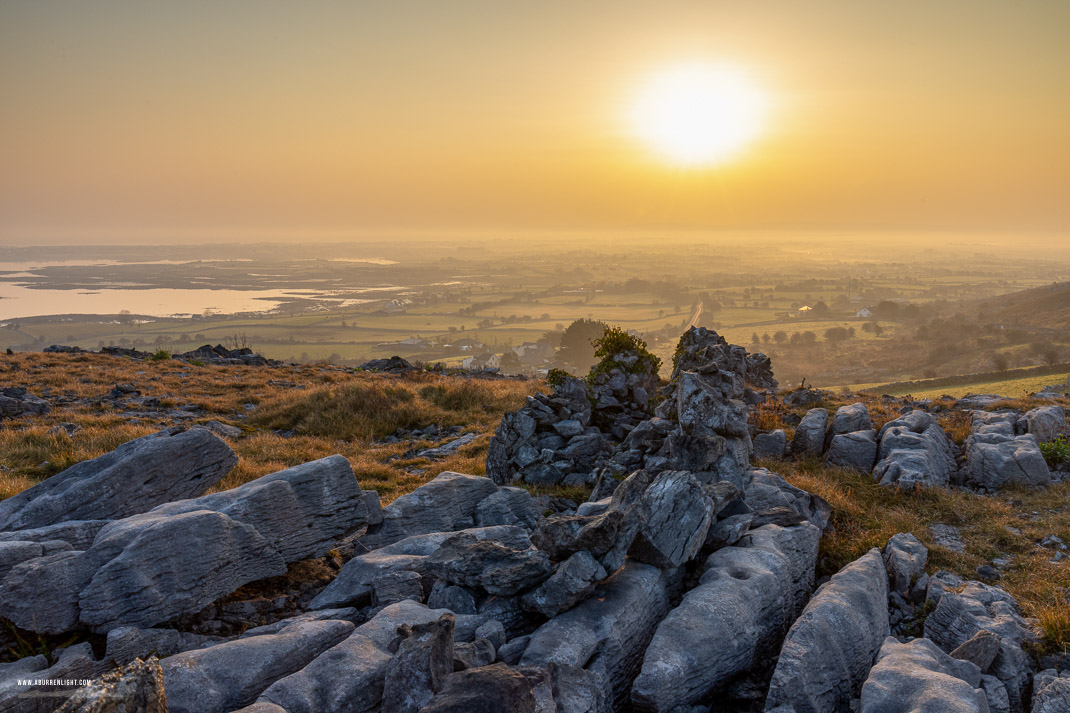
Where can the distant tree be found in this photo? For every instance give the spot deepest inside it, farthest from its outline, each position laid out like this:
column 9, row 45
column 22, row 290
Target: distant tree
column 887, row 310
column 780, row 337
column 877, row 330
column 756, row 340
column 1000, row 361
column 553, row 338
column 820, row 309
column 835, row 334
column 766, row 338
column 510, row 362
column 577, row 343
column 1050, row 354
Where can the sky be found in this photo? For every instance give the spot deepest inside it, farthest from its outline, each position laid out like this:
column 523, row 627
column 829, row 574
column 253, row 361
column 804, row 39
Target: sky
column 132, row 121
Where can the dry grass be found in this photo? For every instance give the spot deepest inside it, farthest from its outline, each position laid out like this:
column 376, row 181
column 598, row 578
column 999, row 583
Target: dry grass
column 330, row 410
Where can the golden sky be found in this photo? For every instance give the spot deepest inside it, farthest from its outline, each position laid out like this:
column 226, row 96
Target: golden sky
column 202, row 119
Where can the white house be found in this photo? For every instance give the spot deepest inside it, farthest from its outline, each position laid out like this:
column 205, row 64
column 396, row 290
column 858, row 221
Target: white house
column 864, row 313
column 486, row 360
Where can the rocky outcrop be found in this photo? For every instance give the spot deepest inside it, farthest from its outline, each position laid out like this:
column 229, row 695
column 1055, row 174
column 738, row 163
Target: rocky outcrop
column 918, row 676
column 180, row 557
column 134, row 478
column 607, row 633
column 914, row 451
column 961, row 615
column 733, row 620
column 1051, row 692
column 609, row 422
column 16, row 401
column 771, row 445
column 830, row 648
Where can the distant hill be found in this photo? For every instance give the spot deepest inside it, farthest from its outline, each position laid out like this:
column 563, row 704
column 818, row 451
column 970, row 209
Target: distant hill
column 1043, row 308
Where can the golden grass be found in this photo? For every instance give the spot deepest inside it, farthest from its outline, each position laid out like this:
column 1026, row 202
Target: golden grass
column 330, row 409
column 866, row 514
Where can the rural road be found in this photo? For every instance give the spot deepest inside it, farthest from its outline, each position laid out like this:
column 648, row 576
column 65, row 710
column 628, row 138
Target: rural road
column 695, row 316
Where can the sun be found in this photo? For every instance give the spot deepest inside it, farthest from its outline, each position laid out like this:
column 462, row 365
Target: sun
column 698, row 114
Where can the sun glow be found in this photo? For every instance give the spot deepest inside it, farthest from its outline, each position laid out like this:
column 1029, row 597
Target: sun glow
column 698, row 114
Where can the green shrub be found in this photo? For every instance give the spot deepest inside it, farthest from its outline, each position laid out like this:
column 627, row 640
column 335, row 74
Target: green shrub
column 556, row 377
column 1056, row 452
column 614, row 341
column 161, row 355
column 196, row 362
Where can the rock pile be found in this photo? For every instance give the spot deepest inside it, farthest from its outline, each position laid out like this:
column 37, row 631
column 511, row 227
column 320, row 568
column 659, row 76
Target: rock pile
column 682, row 587
column 207, row 354
column 913, row 450
column 619, row 420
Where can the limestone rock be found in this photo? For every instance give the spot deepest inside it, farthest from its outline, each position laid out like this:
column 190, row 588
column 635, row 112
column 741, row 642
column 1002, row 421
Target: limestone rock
column 914, row 450
column 355, row 582
column 770, row 445
column 419, row 669
column 904, row 558
column 135, row 477
column 150, row 568
column 997, row 460
column 829, row 650
column 349, row 677
column 850, row 419
column 449, row 502
column 959, row 616
column 856, row 450
column 607, row 633
column 734, row 618
column 498, row 567
column 490, row 689
column 573, row 581
column 678, row 516
column 1046, row 422
column 137, row 686
column 507, row 506
column 918, row 676
column 1051, row 692
column 226, row 676
column 126, row 643
column 301, row 511
column 809, row 439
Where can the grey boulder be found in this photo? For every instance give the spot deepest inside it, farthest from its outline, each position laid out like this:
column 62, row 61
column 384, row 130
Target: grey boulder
column 809, row 439
column 904, row 558
column 573, row 581
column 829, row 650
column 1046, row 422
column 918, row 677
column 994, row 461
column 677, row 517
column 449, row 502
column 135, row 477
column 856, row 450
column 850, row 419
column 771, row 445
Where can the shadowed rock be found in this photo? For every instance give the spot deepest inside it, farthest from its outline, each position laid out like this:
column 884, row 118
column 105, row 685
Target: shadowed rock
column 138, row 686
column 734, row 619
column 607, row 633
column 829, row 650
